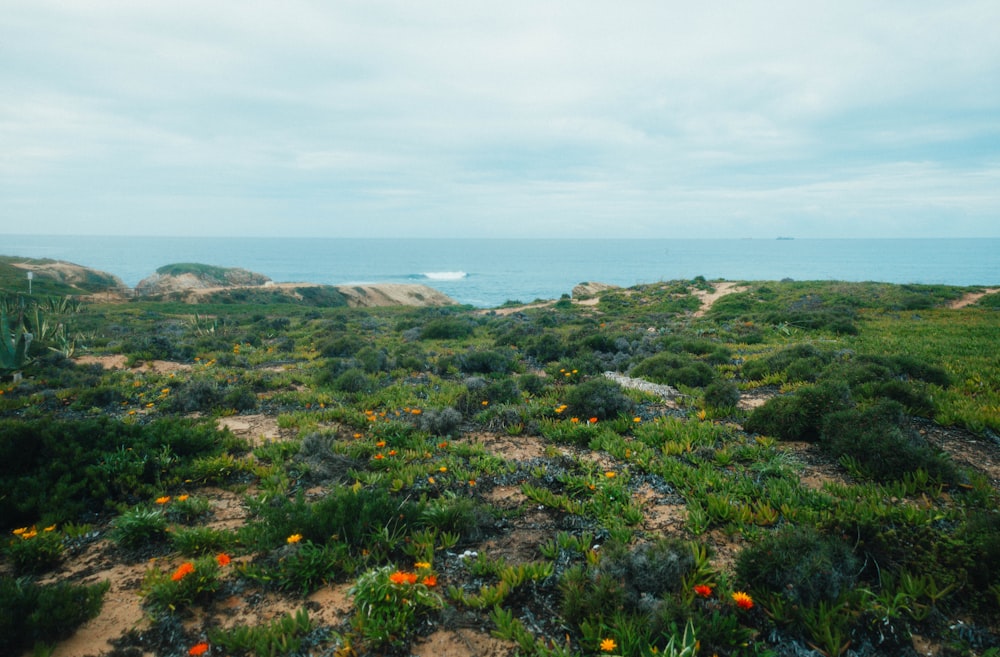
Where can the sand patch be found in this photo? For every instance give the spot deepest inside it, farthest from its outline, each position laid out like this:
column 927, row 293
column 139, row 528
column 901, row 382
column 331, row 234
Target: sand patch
column 972, row 298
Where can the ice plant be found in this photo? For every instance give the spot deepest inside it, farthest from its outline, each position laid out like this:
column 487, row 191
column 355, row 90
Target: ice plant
column 294, row 538
column 182, row 571
column 704, row 590
column 742, row 600
column 610, row 475
column 198, row 649
column 163, row 500
column 608, row 645
column 430, row 580
column 222, row 559
column 593, row 420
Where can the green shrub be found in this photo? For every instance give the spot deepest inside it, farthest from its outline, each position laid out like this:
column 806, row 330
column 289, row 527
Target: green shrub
column 600, row 398
column 139, row 527
column 343, row 515
column 674, row 370
column 31, row 613
column 196, row 394
column 192, row 581
column 878, row 441
column 798, row 416
column 722, row 394
column 532, row 384
column 199, row 541
column 487, row 362
column 446, row 328
column 302, row 567
column 800, row 565
column 805, row 360
column 31, row 552
column 439, row 422
column 342, row 346
column 354, row 381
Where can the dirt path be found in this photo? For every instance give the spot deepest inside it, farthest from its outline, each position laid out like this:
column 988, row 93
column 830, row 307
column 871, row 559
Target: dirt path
column 708, row 299
column 972, row 298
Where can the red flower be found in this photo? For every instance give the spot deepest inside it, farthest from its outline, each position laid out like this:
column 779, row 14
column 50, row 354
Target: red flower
column 704, row 590
column 198, row 649
column 430, row 580
column 222, row 559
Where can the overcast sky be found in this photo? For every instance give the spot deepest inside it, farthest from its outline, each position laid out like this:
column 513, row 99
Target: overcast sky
column 517, row 118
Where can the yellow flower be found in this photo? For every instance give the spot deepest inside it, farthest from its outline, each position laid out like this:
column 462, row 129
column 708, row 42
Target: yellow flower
column 610, row 475
column 50, row 528
column 430, row 480
column 608, row 645
column 294, row 538
column 20, row 530
column 637, row 419
column 442, row 469
column 421, row 564
column 182, row 498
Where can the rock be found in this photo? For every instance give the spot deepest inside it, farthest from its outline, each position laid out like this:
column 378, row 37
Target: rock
column 171, row 279
column 586, row 290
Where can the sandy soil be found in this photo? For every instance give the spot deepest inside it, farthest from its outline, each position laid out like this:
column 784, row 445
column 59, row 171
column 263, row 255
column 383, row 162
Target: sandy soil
column 972, row 298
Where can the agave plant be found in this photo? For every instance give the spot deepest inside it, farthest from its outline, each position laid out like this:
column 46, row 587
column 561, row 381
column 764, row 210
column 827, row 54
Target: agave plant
column 14, row 344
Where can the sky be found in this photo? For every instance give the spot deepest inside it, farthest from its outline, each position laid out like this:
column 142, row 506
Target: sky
column 522, row 118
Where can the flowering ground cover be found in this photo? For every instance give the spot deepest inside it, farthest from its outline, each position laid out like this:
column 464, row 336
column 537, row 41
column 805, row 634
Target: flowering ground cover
column 821, row 479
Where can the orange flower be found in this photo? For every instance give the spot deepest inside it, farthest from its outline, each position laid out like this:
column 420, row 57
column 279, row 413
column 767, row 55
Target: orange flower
column 704, row 590
column 198, row 649
column 392, row 452
column 163, row 500
column 399, row 577
column 743, row 600
column 608, row 645
column 222, row 559
column 416, row 411
column 182, row 571
column 593, row 420
column 379, row 457
column 430, row 580
column 182, row 498
column 574, row 420
column 380, row 443
column 610, row 475
column 294, row 538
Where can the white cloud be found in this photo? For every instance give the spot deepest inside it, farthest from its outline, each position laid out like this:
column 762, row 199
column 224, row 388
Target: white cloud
column 524, row 117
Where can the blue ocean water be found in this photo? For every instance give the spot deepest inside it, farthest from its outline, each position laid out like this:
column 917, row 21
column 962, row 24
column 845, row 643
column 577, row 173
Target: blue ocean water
column 488, row 272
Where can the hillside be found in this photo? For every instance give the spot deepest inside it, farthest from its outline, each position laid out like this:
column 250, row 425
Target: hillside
column 764, row 468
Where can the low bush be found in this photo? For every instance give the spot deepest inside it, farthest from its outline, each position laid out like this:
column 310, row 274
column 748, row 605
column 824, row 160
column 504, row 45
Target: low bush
column 877, row 440
column 799, row 416
column 488, row 362
column 722, row 394
column 600, row 398
column 446, row 328
column 800, row 565
column 31, row 613
column 674, row 370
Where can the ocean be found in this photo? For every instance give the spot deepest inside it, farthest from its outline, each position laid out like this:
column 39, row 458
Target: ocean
column 489, row 272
